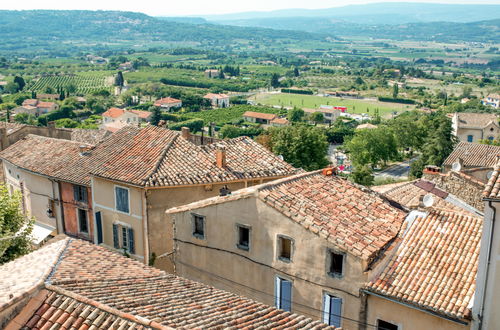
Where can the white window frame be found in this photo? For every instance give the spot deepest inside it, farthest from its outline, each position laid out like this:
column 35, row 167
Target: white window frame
column 277, row 291
column 128, row 199
column 278, row 248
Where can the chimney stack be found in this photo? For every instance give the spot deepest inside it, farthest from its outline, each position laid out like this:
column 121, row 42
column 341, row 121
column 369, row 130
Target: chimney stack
column 185, row 132
column 220, row 156
column 431, row 169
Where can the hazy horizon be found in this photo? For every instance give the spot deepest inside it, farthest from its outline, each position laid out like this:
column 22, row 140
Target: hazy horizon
column 215, row 7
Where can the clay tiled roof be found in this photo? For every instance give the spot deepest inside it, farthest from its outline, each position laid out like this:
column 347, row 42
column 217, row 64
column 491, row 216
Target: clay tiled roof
column 492, row 189
column 280, row 121
column 435, row 266
column 259, row 115
column 89, row 136
column 114, row 112
column 352, row 217
column 45, row 104
column 92, row 287
column 166, row 100
column 355, row 219
column 141, row 114
column 474, row 155
column 215, row 96
column 476, row 120
column 30, row 102
column 11, row 127
column 157, row 157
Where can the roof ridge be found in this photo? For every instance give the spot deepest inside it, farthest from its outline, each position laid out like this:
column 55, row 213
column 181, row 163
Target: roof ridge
column 56, row 139
column 161, row 158
column 58, row 261
column 88, row 301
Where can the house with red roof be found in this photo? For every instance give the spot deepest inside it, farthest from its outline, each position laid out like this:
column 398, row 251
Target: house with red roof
column 35, row 107
column 168, row 103
column 259, row 117
column 218, row 100
column 115, row 118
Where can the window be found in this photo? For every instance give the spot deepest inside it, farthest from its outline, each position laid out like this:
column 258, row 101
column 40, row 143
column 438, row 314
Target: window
column 122, row 200
column 283, row 297
column 243, row 237
column 83, row 225
column 383, row 325
column 491, row 138
column 80, row 193
column 470, row 138
column 332, row 310
column 336, row 264
column 51, row 209
column 285, row 248
column 199, row 226
column 123, row 238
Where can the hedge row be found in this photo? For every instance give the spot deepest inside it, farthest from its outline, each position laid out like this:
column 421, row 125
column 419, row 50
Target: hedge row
column 393, row 100
column 296, row 91
column 194, row 125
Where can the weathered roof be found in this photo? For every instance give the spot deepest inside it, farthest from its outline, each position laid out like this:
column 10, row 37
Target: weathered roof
column 117, row 112
column 259, row 115
column 366, row 126
column 142, row 114
column 166, row 100
column 11, row 127
column 476, row 120
column 89, row 136
column 157, row 157
column 280, row 121
column 474, row 155
column 88, row 284
column 492, row 189
column 435, row 266
column 354, row 218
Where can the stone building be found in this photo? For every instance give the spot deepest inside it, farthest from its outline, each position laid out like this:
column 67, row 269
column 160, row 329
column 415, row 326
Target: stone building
column 472, row 127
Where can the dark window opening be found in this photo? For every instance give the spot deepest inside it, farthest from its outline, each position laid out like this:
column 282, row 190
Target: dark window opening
column 383, row 325
column 285, row 248
column 336, row 263
column 82, row 221
column 243, row 237
column 198, row 226
column 80, row 193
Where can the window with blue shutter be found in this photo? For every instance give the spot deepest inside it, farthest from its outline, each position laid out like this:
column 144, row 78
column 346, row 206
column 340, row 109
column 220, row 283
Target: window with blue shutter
column 283, row 297
column 470, row 138
column 98, row 222
column 116, row 241
column 80, row 193
column 131, row 247
column 332, row 310
column 121, row 202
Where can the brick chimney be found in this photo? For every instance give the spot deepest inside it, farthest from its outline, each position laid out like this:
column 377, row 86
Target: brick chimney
column 432, row 169
column 186, row 133
column 220, row 156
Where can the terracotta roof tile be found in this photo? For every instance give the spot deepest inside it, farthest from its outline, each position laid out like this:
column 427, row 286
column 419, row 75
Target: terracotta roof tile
column 473, row 155
column 89, row 136
column 113, row 112
column 424, row 270
column 166, row 100
column 492, row 189
column 259, row 115
column 476, row 120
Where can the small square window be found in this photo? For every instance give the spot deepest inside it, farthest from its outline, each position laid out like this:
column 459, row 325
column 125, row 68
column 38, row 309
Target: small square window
column 383, row 325
column 285, row 248
column 336, row 267
column 243, row 238
column 199, row 226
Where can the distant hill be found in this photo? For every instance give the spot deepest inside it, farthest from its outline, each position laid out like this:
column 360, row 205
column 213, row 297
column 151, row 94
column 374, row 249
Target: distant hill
column 63, row 32
column 376, row 13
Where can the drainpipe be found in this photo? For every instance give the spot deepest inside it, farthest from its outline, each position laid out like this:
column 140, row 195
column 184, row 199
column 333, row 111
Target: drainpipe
column 145, row 226
column 62, row 207
column 483, row 298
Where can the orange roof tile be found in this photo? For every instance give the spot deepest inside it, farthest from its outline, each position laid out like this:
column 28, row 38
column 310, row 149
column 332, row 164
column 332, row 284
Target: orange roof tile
column 474, row 155
column 113, row 112
column 166, row 100
column 259, row 115
column 434, row 267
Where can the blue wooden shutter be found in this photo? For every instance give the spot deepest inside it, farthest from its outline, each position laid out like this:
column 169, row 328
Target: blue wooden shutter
column 131, row 247
column 326, row 308
column 286, row 295
column 116, row 242
column 98, row 223
column 335, row 311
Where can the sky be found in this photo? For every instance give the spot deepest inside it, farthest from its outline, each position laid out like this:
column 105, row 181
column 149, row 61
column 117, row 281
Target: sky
column 201, row 7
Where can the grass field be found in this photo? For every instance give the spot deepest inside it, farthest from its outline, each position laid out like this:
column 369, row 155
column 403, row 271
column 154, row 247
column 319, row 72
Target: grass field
column 311, row 101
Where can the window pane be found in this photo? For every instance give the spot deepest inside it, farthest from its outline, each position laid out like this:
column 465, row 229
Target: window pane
column 285, row 248
column 244, row 237
column 124, row 238
column 336, row 263
column 198, row 224
column 122, row 199
column 82, row 219
column 335, row 311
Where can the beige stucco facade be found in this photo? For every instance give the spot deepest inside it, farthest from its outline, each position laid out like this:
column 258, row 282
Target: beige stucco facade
column 217, row 260
column 491, row 131
column 406, row 317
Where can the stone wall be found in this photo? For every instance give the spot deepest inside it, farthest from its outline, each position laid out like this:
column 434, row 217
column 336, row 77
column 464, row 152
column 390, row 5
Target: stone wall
column 460, row 185
column 50, row 131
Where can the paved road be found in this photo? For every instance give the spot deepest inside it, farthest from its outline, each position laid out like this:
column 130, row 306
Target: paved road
column 398, row 171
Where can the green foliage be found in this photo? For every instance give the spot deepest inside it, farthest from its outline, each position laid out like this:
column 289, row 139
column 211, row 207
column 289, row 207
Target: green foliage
column 80, row 83
column 275, row 80
column 15, row 228
column 295, row 115
column 194, row 125
column 231, row 131
column 372, row 147
column 363, row 175
column 24, row 118
column 490, row 142
column 156, row 116
column 302, row 146
column 297, row 91
column 396, row 100
column 66, row 123
column 63, row 112
column 340, row 131
column 20, row 82
column 409, row 129
column 317, row 117
column 395, row 91
column 119, row 79
column 229, row 115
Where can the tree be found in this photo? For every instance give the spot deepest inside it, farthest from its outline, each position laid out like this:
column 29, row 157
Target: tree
column 363, row 175
column 229, row 132
column 15, row 228
column 317, row 117
column 20, row 82
column 302, row 146
column 156, row 116
column 296, row 72
column 11, row 88
column 466, row 92
column 372, row 147
column 295, row 115
column 275, row 80
column 119, row 81
column 395, row 90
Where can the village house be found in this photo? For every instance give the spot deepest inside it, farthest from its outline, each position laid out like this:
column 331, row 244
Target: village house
column 168, row 103
column 126, row 66
column 149, row 170
column 306, row 243
column 259, row 117
column 218, row 100
column 472, row 127
column 212, row 73
column 428, row 280
column 487, row 298
column 493, row 100
column 72, row 284
column 330, row 114
column 115, row 119
column 279, row 122
column 54, row 97
column 474, row 159
column 35, row 107
column 366, row 126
